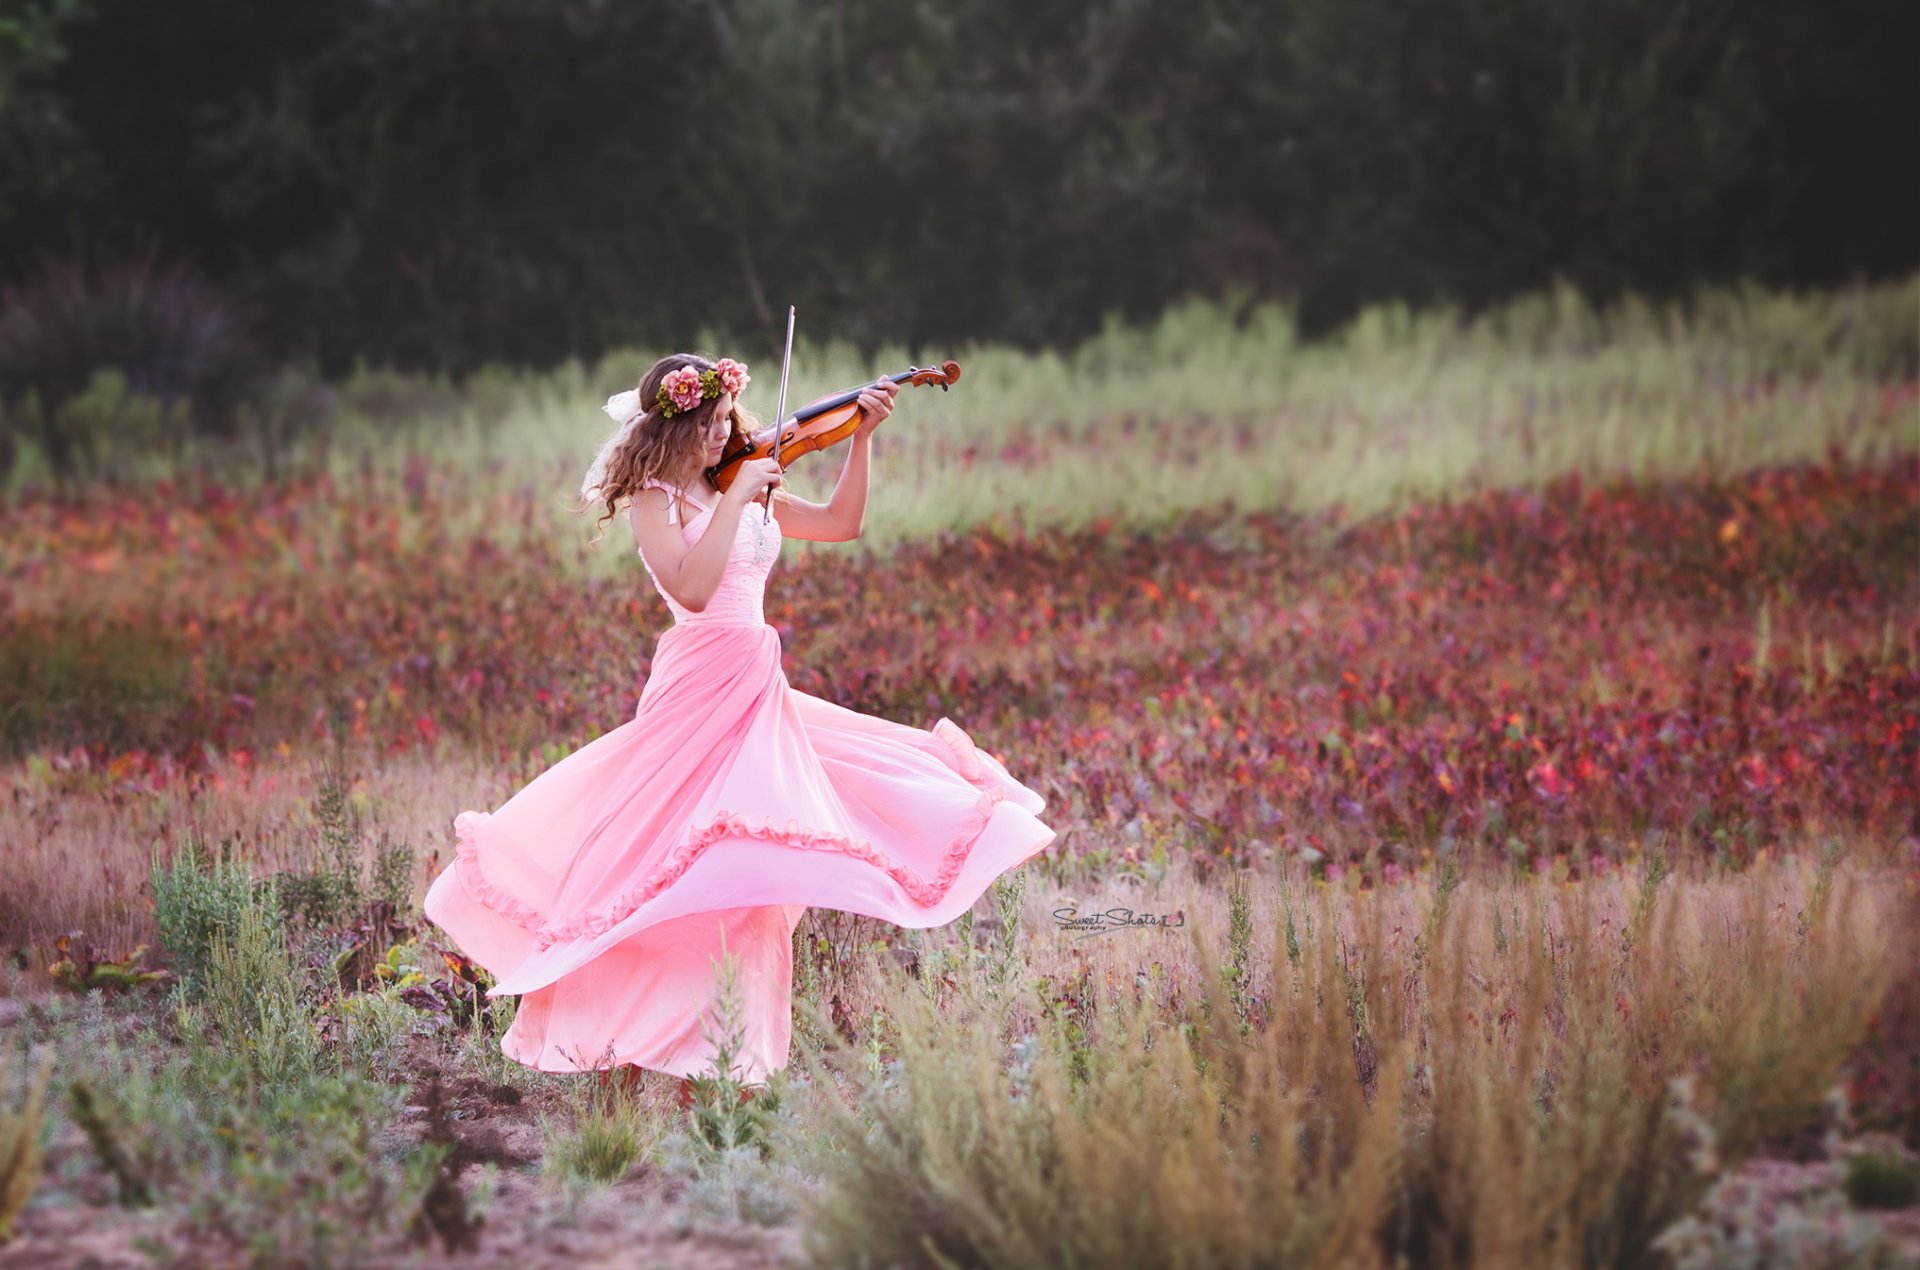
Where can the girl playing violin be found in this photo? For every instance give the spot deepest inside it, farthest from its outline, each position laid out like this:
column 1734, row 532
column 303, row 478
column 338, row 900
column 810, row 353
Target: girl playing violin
column 605, row 891
column 693, row 445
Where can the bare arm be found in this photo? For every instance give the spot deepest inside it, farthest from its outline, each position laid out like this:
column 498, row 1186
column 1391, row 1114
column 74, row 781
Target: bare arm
column 844, row 514
column 689, row 574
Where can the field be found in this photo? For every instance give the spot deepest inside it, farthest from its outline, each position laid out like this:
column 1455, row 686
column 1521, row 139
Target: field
column 1516, row 722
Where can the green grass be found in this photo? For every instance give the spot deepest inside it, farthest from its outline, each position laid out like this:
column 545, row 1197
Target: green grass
column 1213, row 406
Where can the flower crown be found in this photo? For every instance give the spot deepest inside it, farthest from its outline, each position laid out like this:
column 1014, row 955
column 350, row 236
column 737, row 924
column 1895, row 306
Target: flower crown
column 683, row 388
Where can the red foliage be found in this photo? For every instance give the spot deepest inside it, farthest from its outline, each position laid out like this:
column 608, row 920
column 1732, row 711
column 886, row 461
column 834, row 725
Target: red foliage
column 1563, row 672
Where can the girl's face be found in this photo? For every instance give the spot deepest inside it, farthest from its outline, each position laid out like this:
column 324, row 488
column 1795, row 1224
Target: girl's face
column 719, row 426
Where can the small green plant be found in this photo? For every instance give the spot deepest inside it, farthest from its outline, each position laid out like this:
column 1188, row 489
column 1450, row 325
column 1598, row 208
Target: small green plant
column 1882, row 1179
column 726, row 1114
column 345, row 898
column 1289, row 929
column 369, row 1030
column 1239, row 964
column 1009, row 900
column 82, row 967
column 1809, row 915
column 1635, row 931
column 728, row 1148
column 1063, row 1005
column 391, row 879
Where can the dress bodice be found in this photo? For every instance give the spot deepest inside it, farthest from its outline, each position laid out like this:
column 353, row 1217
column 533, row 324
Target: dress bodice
column 737, row 601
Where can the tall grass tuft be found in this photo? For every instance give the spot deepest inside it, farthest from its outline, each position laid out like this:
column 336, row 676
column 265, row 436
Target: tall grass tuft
column 336, row 878
column 20, row 1140
column 1432, row 1100
column 607, row 1135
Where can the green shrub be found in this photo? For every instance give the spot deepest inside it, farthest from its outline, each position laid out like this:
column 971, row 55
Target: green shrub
column 198, row 897
column 728, row 1147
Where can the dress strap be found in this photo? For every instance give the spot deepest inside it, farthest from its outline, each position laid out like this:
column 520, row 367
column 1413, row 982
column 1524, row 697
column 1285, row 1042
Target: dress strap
column 673, row 503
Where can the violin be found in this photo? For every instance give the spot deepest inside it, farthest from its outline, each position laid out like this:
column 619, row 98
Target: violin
column 822, row 423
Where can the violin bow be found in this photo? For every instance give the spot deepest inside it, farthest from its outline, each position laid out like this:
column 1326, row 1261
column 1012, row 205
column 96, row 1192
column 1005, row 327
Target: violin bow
column 780, row 411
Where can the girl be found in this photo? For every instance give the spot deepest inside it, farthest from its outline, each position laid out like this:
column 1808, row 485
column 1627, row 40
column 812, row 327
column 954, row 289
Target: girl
column 604, row 891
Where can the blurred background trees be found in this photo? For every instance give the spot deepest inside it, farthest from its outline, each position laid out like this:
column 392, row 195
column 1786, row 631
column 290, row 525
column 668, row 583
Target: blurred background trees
column 440, row 185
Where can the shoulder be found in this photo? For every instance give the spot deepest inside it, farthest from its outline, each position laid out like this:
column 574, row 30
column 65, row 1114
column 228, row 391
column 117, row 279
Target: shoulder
column 651, row 495
column 650, row 506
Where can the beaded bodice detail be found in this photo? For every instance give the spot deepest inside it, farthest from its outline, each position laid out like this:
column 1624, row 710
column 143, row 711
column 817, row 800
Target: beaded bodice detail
column 738, row 600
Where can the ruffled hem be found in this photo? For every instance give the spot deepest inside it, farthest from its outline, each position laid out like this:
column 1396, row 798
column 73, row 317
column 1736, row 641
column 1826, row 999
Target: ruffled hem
column 727, row 824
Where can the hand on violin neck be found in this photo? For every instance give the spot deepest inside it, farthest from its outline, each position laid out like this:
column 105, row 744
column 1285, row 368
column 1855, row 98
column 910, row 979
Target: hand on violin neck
column 876, row 403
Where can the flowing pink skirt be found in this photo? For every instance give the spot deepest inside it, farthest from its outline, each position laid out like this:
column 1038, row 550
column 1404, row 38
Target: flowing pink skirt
column 603, row 892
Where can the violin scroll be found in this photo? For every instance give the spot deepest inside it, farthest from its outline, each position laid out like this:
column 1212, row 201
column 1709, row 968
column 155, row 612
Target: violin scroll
column 944, row 375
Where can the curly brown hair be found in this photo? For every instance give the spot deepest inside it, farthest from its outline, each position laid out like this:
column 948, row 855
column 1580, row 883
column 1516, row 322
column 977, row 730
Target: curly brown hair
column 656, row 446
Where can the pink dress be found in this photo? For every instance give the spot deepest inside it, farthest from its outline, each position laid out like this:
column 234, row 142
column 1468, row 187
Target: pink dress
column 602, row 892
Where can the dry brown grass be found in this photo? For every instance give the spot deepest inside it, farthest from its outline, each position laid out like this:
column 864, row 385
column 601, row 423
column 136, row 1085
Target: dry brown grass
column 1514, row 1074
column 79, row 849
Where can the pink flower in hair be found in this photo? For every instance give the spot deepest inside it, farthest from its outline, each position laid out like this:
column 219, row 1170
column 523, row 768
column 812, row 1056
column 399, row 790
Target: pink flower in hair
column 733, row 375
column 682, row 387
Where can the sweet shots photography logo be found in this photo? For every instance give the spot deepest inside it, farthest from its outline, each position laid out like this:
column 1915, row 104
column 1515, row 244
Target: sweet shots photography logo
column 1086, row 923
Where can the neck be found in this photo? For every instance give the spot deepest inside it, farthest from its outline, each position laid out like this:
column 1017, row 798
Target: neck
column 686, row 475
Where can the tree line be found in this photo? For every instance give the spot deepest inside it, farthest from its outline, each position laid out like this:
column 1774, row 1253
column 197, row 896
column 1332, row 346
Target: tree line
column 432, row 183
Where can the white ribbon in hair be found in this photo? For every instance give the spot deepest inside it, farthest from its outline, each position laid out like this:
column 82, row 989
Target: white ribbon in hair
column 624, row 409
column 622, row 406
